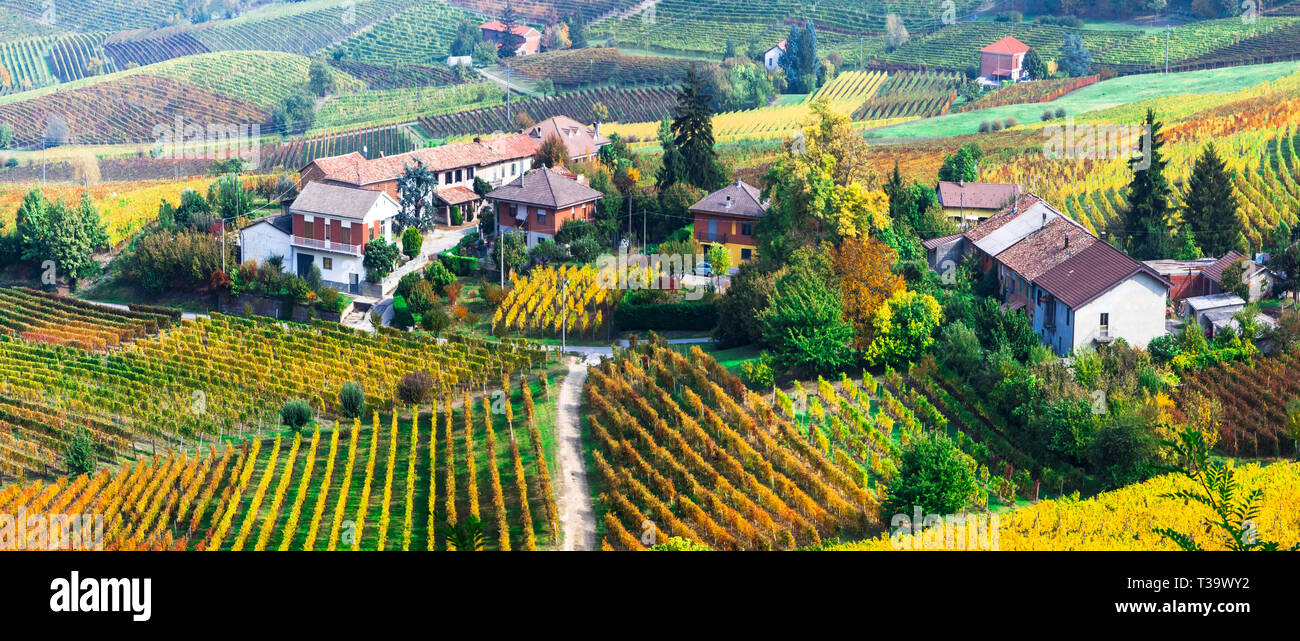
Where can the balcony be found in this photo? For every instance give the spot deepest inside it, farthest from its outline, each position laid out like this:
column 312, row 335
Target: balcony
column 329, row 246
column 1106, row 334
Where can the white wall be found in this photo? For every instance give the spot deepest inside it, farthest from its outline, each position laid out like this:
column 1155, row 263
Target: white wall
column 262, row 241
column 1137, row 312
column 772, row 59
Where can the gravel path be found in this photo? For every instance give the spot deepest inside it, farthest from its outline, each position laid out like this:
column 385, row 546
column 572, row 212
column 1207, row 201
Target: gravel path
column 577, row 518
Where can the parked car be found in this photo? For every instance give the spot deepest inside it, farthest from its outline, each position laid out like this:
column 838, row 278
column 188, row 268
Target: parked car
column 703, row 269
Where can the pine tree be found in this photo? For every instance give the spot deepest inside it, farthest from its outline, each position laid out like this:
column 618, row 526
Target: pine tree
column 693, row 128
column 1212, row 210
column 1147, row 228
column 414, row 188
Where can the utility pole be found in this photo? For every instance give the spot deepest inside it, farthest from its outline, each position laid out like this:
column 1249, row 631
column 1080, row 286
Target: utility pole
column 1167, row 32
column 509, row 119
column 501, row 245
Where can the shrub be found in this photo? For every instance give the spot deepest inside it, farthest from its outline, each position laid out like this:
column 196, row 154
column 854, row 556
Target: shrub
column 1060, row 112
column 493, row 294
column 295, row 414
column 412, row 241
column 439, row 276
column 402, row 316
column 79, row 453
column 422, row 298
column 352, row 400
column 984, row 126
column 414, row 388
column 1010, row 122
column 435, row 322
column 1047, row 115
column 687, row 316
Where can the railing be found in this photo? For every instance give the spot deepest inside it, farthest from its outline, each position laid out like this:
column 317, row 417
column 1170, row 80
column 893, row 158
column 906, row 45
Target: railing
column 340, row 248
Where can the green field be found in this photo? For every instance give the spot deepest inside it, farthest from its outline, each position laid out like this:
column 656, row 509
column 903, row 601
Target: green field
column 1103, row 95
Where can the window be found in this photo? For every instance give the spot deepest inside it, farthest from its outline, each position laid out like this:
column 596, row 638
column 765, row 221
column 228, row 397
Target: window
column 306, row 229
column 1105, row 321
column 541, row 216
column 458, row 175
column 514, row 169
column 470, row 173
column 747, row 229
column 746, row 254
column 329, row 263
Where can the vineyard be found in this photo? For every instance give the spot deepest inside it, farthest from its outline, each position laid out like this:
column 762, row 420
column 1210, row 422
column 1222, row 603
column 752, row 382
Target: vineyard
column 389, row 487
column 633, row 105
column 129, row 49
column 1254, row 403
column 99, row 15
column 384, row 76
column 548, row 10
column 294, row 154
column 314, row 25
column 1125, row 519
column 911, row 95
column 419, row 35
column 577, row 67
column 405, row 105
column 213, row 376
column 16, row 26
column 24, row 64
column 1032, row 91
column 141, row 104
column 540, row 304
column 1188, row 42
column 123, row 207
column 957, row 47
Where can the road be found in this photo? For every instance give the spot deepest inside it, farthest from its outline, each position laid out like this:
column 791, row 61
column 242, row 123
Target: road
column 577, row 516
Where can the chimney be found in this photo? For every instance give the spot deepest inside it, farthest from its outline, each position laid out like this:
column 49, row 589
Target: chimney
column 1044, row 219
column 598, row 130
column 478, row 139
column 1067, row 240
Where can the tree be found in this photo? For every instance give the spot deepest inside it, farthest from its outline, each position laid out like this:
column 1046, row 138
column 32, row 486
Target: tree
column 903, row 328
column 895, row 32
column 556, row 37
column 516, row 250
column 412, row 242
column 577, row 31
column 1211, row 210
column 552, row 153
column 228, row 197
column 352, row 400
column 547, row 251
column 934, row 476
column 414, row 195
column 6, row 136
column 1075, row 58
column 693, row 130
column 295, row 414
column 1233, row 280
column 509, row 39
column 79, row 453
column 414, row 388
column 320, row 78
column 962, row 165
column 468, row 37
column 1035, row 66
column 800, row 60
column 750, row 291
column 380, row 258
column 867, row 280
column 66, row 236
column 1147, row 228
column 294, row 114
column 804, row 324
column 523, row 121
column 719, row 258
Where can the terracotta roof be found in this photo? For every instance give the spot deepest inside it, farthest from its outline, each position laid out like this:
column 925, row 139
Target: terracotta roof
column 736, row 199
column 780, row 45
column 1046, row 248
column 1090, row 273
column 1007, row 45
column 1004, row 216
column 518, row 30
column 545, row 188
column 354, row 169
column 1214, row 271
column 335, row 200
column 976, row 195
column 457, row 195
column 940, row 241
column 581, row 139
column 1013, row 228
column 513, row 146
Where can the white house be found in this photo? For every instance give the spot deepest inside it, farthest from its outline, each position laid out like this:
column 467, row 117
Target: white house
column 772, row 58
column 328, row 227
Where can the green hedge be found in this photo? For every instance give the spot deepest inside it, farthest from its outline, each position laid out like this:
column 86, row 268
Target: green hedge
column 459, row 265
column 401, row 314
column 684, row 316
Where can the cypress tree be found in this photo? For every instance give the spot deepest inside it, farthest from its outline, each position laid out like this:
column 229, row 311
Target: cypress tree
column 693, row 128
column 1212, row 211
column 1146, row 221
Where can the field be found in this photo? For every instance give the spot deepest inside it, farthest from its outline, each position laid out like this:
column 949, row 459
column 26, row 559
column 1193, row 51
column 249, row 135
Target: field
column 845, row 94
column 911, row 95
column 294, row 154
column 418, row 35
column 141, row 104
column 1254, row 403
column 215, row 376
column 577, row 67
column 404, row 105
column 633, row 105
column 387, row 76
column 539, row 10
column 262, row 78
column 315, row 25
column 1030, row 92
column 99, row 15
column 957, row 47
column 1188, row 41
column 1124, row 519
column 381, row 488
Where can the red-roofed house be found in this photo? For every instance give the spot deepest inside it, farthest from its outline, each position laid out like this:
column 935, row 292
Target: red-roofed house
column 541, row 201
column 1004, row 60
column 582, row 141
column 456, row 166
column 528, row 40
column 973, row 202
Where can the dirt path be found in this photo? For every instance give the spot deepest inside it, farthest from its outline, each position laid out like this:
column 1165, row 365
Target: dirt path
column 577, row 518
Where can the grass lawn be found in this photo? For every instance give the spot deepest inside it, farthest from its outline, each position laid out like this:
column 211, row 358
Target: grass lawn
column 1102, row 95
column 114, row 290
column 730, row 358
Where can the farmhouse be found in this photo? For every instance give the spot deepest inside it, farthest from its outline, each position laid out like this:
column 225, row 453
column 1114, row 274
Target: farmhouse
column 772, row 58
column 327, row 227
column 726, row 217
column 541, row 201
column 1077, row 290
column 1004, row 60
column 528, row 40
column 970, row 203
column 583, row 142
column 455, row 166
column 1204, row 276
